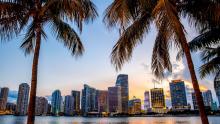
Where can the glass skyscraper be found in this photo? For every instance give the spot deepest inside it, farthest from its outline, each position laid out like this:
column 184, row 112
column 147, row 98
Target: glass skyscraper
column 178, row 94
column 146, row 100
column 122, row 81
column 158, row 100
column 207, row 98
column 102, row 101
column 195, row 105
column 69, row 105
column 134, row 106
column 3, row 98
column 89, row 102
column 114, row 100
column 22, row 100
column 76, row 96
column 56, row 104
column 41, row 106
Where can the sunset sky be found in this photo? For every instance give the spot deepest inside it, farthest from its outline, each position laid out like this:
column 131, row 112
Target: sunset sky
column 59, row 70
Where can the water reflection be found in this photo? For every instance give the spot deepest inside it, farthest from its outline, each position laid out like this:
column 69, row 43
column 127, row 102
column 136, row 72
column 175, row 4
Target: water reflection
column 124, row 120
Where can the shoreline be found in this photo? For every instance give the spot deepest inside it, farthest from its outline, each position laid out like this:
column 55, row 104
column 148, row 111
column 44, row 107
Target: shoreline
column 118, row 116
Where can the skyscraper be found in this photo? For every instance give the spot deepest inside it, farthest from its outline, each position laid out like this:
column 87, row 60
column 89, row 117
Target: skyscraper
column 3, row 98
column 69, row 105
column 89, row 101
column 195, row 106
column 217, row 86
column 178, row 94
column 102, row 101
column 22, row 100
column 56, row 104
column 134, row 106
column 146, row 100
column 122, row 81
column 207, row 98
column 76, row 96
column 41, row 106
column 158, row 100
column 114, row 100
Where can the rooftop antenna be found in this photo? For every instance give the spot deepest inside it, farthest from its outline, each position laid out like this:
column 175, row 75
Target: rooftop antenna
column 155, row 81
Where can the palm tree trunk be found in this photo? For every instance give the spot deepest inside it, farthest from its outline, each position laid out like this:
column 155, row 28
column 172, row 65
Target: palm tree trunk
column 197, row 91
column 31, row 106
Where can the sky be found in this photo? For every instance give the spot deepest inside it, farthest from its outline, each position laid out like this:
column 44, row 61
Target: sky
column 59, row 70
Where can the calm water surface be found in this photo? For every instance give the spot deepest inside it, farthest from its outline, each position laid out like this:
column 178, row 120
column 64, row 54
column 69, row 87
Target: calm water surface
column 122, row 120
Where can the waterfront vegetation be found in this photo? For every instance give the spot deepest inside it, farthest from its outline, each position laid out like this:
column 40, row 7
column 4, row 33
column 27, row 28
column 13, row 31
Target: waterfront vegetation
column 32, row 16
column 135, row 18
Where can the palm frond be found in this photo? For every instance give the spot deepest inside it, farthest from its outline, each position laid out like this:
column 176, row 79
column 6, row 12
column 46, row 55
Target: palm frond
column 209, row 53
column 11, row 15
column 122, row 51
column 206, row 39
column 78, row 11
column 68, row 36
column 211, row 67
column 205, row 15
column 165, row 10
column 28, row 43
column 122, row 12
column 29, row 40
column 171, row 32
column 160, row 57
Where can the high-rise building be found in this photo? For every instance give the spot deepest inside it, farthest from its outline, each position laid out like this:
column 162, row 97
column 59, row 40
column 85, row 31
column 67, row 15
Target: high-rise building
column 102, row 101
column 41, row 106
column 89, row 101
column 11, row 107
column 178, row 94
column 56, row 104
column 22, row 100
column 49, row 108
column 114, row 100
column 146, row 100
column 195, row 105
column 207, row 98
column 76, row 96
column 3, row 98
column 214, row 106
column 69, row 105
column 217, row 86
column 122, row 81
column 158, row 100
column 134, row 106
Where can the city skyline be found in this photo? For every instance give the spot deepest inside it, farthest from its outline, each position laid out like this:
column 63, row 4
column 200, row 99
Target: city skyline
column 113, row 101
column 71, row 74
column 168, row 100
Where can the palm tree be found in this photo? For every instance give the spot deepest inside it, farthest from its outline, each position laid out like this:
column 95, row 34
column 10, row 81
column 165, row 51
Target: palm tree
column 32, row 16
column 135, row 17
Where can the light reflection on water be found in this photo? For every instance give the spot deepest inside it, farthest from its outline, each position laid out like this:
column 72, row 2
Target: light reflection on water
column 122, row 120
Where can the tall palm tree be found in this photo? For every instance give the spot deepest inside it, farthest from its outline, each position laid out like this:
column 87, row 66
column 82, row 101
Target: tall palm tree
column 32, row 16
column 208, row 42
column 135, row 17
